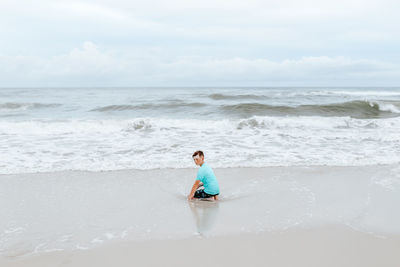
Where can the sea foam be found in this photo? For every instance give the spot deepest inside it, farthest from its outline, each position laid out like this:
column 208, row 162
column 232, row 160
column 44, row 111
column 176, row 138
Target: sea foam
column 148, row 143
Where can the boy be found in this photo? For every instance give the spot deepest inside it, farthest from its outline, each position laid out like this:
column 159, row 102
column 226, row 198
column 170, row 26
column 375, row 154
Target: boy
column 205, row 177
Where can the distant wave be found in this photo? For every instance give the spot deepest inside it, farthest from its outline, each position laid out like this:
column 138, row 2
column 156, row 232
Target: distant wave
column 285, row 93
column 268, row 94
column 172, row 105
column 355, row 109
column 353, row 93
column 236, row 97
column 25, row 106
column 395, row 92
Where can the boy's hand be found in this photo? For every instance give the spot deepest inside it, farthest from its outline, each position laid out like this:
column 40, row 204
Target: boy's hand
column 194, row 188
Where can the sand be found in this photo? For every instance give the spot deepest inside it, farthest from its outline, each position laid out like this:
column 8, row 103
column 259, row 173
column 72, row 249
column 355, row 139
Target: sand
column 273, row 216
column 323, row 246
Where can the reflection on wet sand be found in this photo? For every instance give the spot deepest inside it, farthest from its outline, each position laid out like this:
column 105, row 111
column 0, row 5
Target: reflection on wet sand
column 205, row 214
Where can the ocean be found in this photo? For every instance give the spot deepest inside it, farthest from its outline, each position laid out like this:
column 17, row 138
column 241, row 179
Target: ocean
column 98, row 129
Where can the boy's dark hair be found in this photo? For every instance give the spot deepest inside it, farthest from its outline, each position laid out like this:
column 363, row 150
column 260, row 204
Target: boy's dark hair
column 198, row 152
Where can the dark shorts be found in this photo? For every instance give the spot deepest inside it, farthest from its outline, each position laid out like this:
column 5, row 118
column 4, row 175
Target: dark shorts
column 201, row 194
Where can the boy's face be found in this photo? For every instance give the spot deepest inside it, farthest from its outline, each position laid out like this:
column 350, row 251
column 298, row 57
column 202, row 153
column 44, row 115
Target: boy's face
column 198, row 160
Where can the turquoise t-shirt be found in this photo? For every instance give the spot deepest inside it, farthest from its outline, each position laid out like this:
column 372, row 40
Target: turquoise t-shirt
column 206, row 175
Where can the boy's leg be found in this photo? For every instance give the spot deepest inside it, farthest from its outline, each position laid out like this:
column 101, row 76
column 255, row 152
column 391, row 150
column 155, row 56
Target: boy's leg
column 200, row 194
column 203, row 195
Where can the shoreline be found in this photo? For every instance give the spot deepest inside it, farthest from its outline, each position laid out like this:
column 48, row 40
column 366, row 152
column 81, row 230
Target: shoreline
column 392, row 164
column 330, row 245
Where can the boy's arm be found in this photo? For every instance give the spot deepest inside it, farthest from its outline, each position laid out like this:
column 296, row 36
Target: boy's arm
column 194, row 188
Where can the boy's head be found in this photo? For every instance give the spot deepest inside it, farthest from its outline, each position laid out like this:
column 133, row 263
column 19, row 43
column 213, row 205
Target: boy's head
column 198, row 157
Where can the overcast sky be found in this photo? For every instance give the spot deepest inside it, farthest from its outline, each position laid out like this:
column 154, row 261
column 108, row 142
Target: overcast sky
column 199, row 43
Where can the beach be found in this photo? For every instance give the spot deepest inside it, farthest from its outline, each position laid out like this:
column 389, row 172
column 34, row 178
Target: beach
column 327, row 246
column 116, row 117
column 285, row 216
column 100, row 176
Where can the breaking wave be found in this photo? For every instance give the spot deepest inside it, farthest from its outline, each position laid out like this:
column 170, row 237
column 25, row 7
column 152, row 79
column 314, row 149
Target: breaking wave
column 172, row 105
column 356, row 109
column 148, row 143
column 26, row 106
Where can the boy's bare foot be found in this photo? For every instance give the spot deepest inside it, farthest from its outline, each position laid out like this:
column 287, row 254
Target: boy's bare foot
column 215, row 197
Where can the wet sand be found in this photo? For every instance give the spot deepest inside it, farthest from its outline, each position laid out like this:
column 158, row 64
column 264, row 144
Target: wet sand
column 281, row 216
column 322, row 246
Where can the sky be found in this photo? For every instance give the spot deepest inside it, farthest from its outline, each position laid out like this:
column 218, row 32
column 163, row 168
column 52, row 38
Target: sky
column 46, row 43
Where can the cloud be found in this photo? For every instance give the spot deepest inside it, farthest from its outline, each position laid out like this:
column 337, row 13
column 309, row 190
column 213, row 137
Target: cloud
column 88, row 10
column 180, row 42
column 289, row 22
column 90, row 66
